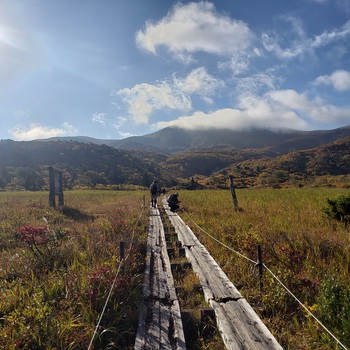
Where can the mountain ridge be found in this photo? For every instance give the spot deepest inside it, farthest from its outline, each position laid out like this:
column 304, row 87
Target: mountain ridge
column 173, row 139
column 87, row 163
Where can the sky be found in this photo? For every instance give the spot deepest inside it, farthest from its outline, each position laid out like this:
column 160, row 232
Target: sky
column 111, row 69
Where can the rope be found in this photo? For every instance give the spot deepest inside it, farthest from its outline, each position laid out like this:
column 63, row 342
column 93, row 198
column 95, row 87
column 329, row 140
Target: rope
column 305, row 308
column 104, row 307
column 115, row 279
column 223, row 244
column 275, row 277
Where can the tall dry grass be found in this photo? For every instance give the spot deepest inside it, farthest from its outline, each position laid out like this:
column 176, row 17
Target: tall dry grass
column 53, row 287
column 308, row 251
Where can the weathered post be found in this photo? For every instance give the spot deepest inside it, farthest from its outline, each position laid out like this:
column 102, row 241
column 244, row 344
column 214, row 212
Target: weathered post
column 121, row 245
column 121, row 255
column 260, row 267
column 56, row 186
column 233, row 192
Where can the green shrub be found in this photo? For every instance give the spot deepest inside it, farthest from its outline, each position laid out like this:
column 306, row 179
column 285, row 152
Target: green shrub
column 334, row 307
column 339, row 208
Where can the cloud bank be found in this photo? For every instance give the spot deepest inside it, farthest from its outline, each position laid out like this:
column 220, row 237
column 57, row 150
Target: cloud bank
column 195, row 27
column 339, row 80
column 254, row 94
column 276, row 109
column 38, row 131
column 174, row 94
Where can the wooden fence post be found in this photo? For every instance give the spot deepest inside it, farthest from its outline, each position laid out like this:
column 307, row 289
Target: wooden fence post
column 121, row 255
column 233, row 192
column 56, row 186
column 260, row 267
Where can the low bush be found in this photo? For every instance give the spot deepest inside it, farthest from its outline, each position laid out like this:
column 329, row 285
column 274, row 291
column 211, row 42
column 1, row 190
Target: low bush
column 339, row 208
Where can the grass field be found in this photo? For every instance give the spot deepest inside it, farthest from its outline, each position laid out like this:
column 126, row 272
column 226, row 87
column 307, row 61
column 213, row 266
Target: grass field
column 57, row 266
column 305, row 249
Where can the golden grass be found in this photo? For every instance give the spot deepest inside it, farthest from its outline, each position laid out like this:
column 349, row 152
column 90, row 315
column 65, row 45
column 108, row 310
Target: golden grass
column 302, row 246
column 52, row 294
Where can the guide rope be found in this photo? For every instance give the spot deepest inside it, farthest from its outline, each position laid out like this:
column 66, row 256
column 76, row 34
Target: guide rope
column 216, row 240
column 305, row 308
column 274, row 276
column 121, row 263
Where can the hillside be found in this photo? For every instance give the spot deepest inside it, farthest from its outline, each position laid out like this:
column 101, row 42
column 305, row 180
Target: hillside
column 174, row 140
column 205, row 162
column 295, row 168
column 23, row 165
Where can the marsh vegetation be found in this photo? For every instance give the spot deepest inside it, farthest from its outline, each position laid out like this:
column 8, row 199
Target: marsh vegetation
column 57, row 266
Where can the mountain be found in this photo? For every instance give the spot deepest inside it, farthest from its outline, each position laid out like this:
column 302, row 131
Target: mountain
column 86, row 164
column 174, row 140
column 175, row 156
column 317, row 165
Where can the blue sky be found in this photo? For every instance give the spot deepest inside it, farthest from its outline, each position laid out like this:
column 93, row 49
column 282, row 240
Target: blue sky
column 114, row 68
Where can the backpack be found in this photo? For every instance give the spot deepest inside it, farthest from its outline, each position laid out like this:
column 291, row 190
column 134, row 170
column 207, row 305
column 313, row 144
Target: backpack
column 154, row 188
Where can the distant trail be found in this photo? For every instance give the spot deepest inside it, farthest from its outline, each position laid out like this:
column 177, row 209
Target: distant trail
column 160, row 324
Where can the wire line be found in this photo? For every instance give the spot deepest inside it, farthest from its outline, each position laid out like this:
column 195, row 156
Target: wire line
column 305, row 308
column 121, row 263
column 223, row 244
column 274, row 276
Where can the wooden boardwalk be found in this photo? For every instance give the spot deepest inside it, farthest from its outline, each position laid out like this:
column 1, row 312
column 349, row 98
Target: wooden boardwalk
column 160, row 324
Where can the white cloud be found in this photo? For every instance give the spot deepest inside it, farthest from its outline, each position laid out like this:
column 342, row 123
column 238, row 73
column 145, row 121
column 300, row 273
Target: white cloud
column 271, row 44
column 289, row 42
column 340, row 80
column 327, row 37
column 199, row 82
column 119, row 123
column 295, row 43
column 195, row 27
column 99, row 118
column 257, row 83
column 144, row 99
column 174, row 94
column 235, row 119
column 37, row 131
column 276, row 109
column 238, row 64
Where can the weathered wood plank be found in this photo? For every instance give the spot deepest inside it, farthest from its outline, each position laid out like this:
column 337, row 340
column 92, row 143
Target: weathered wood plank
column 252, row 334
column 177, row 223
column 160, row 325
column 239, row 325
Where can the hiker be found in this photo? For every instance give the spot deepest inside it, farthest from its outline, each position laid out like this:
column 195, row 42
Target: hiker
column 154, row 189
column 173, row 202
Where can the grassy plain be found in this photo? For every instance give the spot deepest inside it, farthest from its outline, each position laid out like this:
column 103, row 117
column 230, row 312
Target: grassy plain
column 57, row 268
column 53, row 287
column 306, row 250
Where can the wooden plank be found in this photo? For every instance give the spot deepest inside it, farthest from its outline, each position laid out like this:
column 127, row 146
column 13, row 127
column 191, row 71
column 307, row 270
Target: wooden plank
column 160, row 325
column 176, row 221
column 252, row 334
column 239, row 325
column 207, row 269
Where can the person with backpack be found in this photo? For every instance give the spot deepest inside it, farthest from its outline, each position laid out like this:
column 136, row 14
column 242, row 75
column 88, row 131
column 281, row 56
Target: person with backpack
column 173, row 202
column 154, row 189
